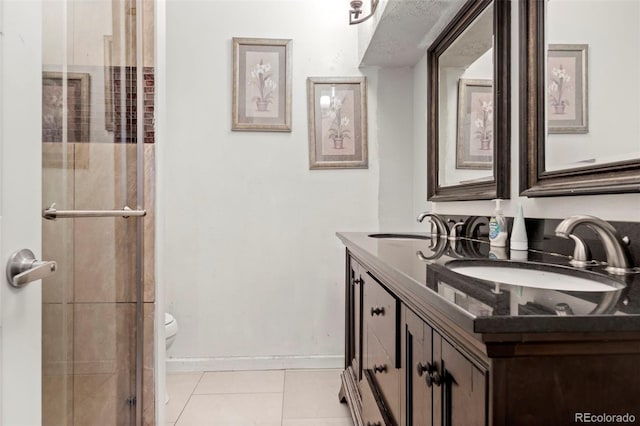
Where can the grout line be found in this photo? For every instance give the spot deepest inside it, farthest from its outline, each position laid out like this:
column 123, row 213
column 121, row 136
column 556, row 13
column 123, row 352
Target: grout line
column 189, row 399
column 284, row 387
column 197, row 383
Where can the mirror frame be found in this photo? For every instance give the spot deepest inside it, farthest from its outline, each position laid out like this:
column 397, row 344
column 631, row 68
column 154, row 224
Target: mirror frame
column 617, row 177
column 499, row 186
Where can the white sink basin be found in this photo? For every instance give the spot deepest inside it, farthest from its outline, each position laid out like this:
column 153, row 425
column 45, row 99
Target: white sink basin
column 535, row 275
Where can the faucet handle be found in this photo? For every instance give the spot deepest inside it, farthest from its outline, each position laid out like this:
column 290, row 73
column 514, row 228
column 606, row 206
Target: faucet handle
column 581, row 253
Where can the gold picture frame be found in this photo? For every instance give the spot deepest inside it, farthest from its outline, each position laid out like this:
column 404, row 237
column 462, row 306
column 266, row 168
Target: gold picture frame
column 337, row 115
column 474, row 138
column 261, row 97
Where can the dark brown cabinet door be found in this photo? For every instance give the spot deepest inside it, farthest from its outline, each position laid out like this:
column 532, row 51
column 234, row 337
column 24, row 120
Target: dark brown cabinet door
column 442, row 386
column 417, row 354
column 354, row 333
column 461, row 397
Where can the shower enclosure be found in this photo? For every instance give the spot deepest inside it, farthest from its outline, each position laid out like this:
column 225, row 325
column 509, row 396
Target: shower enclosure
column 97, row 199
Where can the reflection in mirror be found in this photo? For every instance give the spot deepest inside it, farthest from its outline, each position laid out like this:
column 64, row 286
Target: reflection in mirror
column 465, row 125
column 580, row 97
column 593, row 107
column 468, row 141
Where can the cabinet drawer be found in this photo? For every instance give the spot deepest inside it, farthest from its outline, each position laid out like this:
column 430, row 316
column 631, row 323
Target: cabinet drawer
column 380, row 313
column 384, row 373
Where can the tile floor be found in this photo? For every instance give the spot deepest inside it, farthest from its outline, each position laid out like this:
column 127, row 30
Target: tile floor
column 243, row 398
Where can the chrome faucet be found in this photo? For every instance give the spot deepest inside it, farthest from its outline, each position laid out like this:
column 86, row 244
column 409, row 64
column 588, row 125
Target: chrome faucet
column 618, row 257
column 442, row 230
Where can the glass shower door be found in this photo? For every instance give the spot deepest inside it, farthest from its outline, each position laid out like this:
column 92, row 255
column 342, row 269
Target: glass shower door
column 93, row 153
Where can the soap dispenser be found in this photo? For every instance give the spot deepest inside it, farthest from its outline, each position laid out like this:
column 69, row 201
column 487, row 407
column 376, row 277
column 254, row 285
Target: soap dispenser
column 498, row 227
column 519, row 232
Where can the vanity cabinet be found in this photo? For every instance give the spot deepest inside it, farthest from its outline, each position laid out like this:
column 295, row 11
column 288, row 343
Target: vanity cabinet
column 443, row 387
column 428, row 346
column 400, row 370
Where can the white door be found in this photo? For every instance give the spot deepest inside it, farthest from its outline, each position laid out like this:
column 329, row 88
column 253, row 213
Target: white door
column 20, row 209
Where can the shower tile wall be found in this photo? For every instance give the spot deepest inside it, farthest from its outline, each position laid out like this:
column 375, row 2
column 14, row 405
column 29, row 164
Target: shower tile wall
column 89, row 323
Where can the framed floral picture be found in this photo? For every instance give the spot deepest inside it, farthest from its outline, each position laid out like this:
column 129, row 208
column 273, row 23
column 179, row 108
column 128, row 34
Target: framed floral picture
column 567, row 88
column 337, row 108
column 261, row 85
column 474, row 139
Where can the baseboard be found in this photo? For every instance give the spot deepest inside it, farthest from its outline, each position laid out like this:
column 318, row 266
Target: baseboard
column 283, row 362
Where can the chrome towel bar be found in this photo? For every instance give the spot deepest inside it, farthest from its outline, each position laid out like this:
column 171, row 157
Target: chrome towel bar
column 52, row 213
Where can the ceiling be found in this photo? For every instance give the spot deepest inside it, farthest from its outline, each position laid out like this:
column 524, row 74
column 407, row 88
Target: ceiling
column 402, row 31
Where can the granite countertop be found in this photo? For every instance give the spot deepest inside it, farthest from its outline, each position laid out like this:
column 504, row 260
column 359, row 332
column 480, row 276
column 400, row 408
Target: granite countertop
column 415, row 269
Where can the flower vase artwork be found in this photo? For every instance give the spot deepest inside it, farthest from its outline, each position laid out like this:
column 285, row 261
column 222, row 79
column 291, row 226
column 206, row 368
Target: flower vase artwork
column 557, row 89
column 338, row 131
column 266, row 86
column 484, row 125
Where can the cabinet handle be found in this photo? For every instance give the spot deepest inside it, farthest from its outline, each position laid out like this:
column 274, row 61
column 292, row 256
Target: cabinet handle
column 380, row 368
column 421, row 369
column 377, row 311
column 374, row 424
column 357, row 281
column 433, row 376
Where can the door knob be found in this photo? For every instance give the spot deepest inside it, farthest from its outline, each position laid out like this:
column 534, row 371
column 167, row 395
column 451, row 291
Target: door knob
column 23, row 268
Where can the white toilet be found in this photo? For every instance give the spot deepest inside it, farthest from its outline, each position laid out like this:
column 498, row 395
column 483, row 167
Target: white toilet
column 170, row 331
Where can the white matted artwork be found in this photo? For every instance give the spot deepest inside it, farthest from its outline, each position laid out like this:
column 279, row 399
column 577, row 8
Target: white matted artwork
column 337, row 108
column 261, row 84
column 474, row 141
column 567, row 88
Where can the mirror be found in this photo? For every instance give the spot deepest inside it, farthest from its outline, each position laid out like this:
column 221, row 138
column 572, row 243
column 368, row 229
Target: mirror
column 579, row 97
column 469, row 100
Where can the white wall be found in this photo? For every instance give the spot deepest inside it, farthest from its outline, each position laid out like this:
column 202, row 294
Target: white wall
column 251, row 264
column 623, row 207
column 394, row 120
column 252, row 268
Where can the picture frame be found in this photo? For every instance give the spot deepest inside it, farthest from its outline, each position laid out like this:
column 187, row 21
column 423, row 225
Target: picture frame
column 567, row 95
column 261, row 96
column 337, row 116
column 474, row 136
column 78, row 107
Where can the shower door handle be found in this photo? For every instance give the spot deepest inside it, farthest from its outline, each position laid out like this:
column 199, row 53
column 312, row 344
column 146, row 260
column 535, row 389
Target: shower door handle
column 23, row 268
column 52, row 213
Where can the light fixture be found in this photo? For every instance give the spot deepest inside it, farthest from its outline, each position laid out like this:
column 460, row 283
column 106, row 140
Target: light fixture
column 356, row 11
